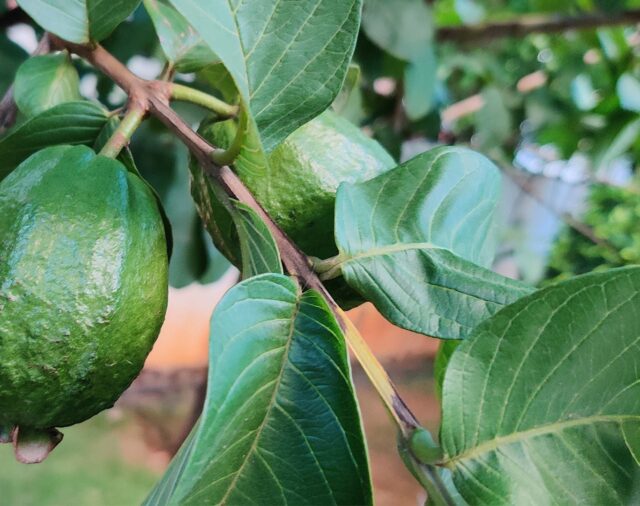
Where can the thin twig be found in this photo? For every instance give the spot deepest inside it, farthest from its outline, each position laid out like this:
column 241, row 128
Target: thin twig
column 526, row 25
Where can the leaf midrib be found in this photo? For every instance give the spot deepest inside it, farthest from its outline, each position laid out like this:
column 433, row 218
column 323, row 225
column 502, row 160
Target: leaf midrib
column 345, row 258
column 272, row 401
column 516, row 437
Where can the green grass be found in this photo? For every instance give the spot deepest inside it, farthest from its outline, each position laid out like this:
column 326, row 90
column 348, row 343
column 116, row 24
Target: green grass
column 87, row 469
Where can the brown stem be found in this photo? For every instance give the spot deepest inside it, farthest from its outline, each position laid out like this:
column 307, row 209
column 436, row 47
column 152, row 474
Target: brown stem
column 526, row 25
column 8, row 107
column 155, row 97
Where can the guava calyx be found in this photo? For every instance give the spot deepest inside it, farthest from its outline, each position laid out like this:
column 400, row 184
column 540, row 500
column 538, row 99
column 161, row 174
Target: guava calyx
column 32, row 446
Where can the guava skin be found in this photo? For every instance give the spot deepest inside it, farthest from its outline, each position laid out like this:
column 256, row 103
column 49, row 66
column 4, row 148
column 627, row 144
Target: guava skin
column 83, row 285
column 297, row 183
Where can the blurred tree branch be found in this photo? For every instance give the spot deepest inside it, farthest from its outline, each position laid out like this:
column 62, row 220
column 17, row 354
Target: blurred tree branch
column 526, row 25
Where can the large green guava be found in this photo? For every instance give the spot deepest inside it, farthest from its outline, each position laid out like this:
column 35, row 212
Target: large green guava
column 296, row 184
column 83, row 286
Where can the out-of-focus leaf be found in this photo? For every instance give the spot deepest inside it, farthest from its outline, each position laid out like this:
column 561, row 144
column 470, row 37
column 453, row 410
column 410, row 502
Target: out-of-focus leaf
column 401, row 27
column 79, row 21
column 280, row 423
column 182, row 45
column 68, row 123
column 470, row 11
column 11, row 57
column 613, row 42
column 628, row 89
column 493, row 121
column 584, row 96
column 44, row 81
column 620, row 145
column 420, row 81
column 288, row 60
column 414, row 242
column 541, row 405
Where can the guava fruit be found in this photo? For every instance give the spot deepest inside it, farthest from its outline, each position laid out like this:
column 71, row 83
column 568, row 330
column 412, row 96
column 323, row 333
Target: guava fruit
column 83, row 291
column 296, row 184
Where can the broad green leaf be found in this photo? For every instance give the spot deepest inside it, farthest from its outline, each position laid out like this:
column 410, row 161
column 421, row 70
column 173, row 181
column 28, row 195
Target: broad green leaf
column 628, row 89
column 541, row 404
column 420, row 84
column 260, row 253
column 44, row 81
column 403, row 28
column 280, row 423
column 79, row 21
column 182, row 45
column 68, row 123
column 414, row 242
column 288, row 59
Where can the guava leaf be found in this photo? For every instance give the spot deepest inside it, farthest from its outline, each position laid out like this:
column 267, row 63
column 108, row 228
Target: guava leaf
column 79, row 21
column 260, row 253
column 541, row 405
column 415, row 241
column 44, row 81
column 182, row 45
column 68, row 123
column 280, row 423
column 288, row 59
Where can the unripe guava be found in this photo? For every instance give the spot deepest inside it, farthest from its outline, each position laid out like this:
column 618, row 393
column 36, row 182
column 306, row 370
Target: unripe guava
column 296, row 184
column 83, row 287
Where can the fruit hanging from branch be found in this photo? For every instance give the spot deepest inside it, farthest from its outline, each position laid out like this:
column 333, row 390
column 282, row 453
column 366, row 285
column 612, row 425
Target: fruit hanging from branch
column 83, row 291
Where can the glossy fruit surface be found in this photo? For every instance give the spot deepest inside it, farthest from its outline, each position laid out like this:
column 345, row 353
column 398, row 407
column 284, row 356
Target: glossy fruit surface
column 83, row 285
column 297, row 182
